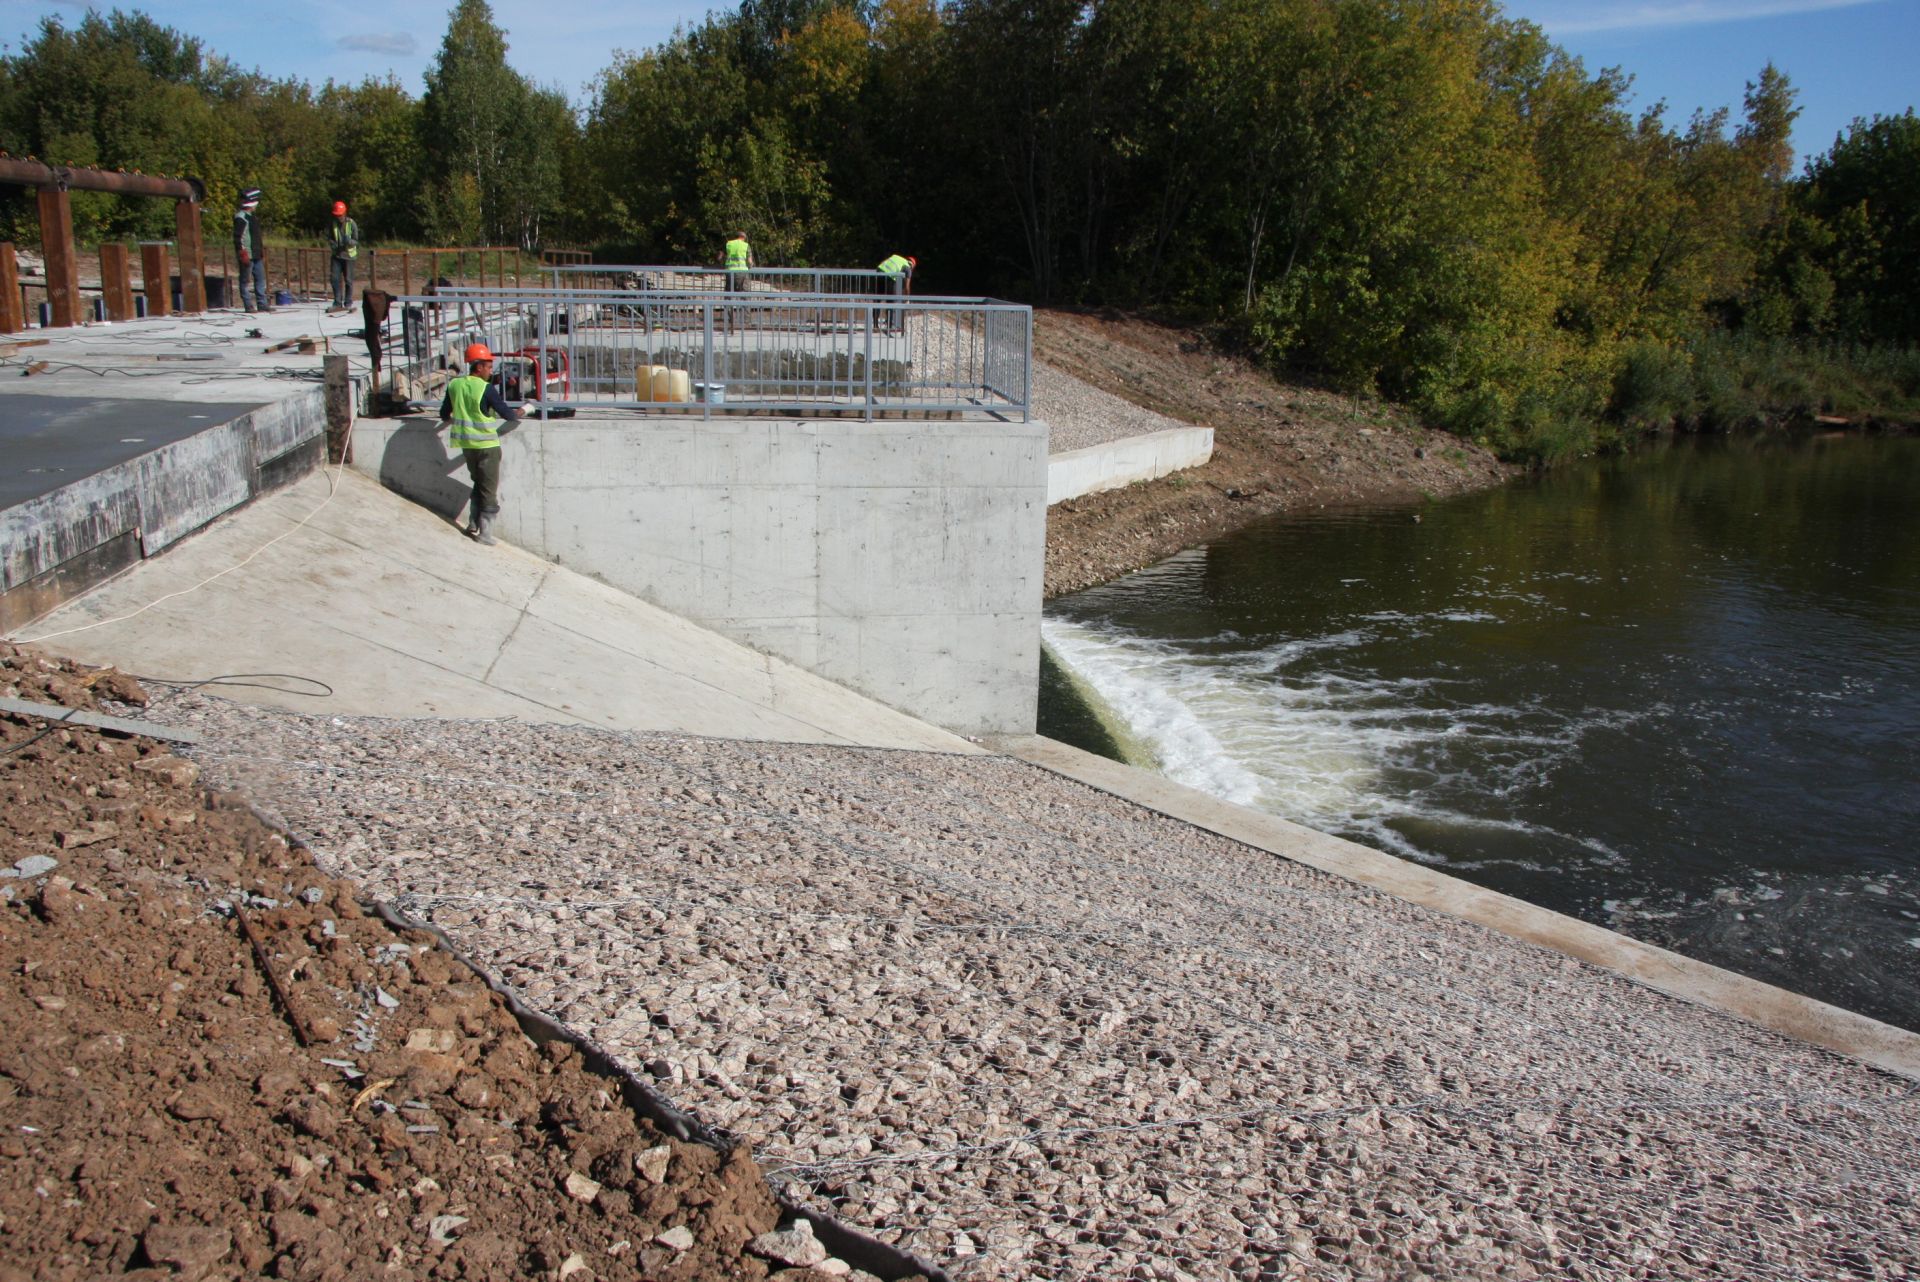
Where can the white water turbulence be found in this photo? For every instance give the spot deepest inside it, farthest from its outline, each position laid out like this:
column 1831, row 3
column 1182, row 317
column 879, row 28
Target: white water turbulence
column 1288, row 729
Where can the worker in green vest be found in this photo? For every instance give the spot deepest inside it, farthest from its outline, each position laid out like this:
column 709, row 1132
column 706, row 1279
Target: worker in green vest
column 344, row 238
column 898, row 269
column 739, row 259
column 472, row 411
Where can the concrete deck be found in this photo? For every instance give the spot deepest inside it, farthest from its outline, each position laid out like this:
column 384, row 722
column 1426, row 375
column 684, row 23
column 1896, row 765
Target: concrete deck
column 336, row 580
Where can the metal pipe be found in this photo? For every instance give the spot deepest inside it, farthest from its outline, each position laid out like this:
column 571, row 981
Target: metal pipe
column 34, row 173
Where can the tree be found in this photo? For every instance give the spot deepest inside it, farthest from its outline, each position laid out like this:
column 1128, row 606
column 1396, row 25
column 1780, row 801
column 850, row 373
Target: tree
column 1866, row 190
column 473, row 117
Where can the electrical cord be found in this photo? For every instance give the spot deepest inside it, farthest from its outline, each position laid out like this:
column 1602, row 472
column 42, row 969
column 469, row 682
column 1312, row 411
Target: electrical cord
column 333, row 487
column 181, row 688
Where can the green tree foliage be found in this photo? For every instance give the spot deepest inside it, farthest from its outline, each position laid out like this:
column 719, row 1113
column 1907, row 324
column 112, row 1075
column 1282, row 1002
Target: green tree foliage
column 1866, row 192
column 497, row 144
column 1424, row 198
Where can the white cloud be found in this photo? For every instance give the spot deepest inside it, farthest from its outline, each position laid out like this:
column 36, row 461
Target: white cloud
column 399, row 44
column 1579, row 17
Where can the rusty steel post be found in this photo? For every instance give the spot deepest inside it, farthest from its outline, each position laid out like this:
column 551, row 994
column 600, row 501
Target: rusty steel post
column 13, row 311
column 116, row 282
column 153, row 276
column 339, row 403
column 193, row 271
column 406, row 271
column 56, row 242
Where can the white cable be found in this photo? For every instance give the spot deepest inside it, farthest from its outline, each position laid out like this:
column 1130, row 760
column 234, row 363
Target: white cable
column 333, row 485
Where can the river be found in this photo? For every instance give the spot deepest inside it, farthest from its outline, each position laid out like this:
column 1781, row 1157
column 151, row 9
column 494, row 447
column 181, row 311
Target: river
column 1677, row 695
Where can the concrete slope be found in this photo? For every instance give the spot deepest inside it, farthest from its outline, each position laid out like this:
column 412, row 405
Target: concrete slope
column 337, row 580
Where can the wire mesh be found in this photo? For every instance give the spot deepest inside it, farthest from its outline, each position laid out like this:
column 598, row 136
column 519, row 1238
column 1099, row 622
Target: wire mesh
column 1033, row 1031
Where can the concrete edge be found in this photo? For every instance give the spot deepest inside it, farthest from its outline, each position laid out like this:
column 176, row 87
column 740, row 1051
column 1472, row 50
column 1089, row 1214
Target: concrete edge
column 1147, row 457
column 1869, row 1040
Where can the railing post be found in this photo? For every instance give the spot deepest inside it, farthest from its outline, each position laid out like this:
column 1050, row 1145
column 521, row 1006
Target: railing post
column 13, row 309
column 706, row 320
column 869, row 371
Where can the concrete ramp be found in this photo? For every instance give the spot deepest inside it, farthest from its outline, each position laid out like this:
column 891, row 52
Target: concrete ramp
column 337, row 580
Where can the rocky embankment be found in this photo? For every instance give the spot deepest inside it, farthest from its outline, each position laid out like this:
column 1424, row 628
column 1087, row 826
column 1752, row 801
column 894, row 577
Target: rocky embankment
column 1277, row 448
column 1033, row 1031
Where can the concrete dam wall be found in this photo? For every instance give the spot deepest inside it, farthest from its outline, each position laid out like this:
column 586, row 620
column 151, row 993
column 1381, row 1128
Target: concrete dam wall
column 901, row 558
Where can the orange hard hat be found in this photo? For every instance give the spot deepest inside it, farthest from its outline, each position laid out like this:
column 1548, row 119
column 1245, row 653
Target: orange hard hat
column 477, row 352
column 912, row 261
column 339, row 208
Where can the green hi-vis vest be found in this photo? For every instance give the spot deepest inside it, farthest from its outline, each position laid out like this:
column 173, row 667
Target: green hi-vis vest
column 471, row 426
column 346, row 239
column 738, row 252
column 895, row 266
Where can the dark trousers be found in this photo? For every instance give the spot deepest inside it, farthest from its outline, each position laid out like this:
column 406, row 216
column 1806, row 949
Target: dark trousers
column 484, row 467
column 254, row 274
column 342, row 274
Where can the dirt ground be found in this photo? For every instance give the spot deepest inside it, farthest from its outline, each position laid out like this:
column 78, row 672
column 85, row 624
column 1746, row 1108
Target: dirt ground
column 1277, row 448
column 160, row 1118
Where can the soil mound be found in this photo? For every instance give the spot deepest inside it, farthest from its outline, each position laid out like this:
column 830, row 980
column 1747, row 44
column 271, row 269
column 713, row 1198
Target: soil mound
column 216, row 1064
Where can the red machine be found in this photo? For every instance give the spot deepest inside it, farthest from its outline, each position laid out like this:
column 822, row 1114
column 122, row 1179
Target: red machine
column 515, row 374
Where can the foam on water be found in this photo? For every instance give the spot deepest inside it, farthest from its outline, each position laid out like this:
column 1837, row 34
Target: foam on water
column 1280, row 729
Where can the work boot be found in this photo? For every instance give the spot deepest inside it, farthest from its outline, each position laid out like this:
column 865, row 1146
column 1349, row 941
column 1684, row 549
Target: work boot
column 483, row 534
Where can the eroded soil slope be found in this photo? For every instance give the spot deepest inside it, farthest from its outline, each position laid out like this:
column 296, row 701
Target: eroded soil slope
column 1276, row 448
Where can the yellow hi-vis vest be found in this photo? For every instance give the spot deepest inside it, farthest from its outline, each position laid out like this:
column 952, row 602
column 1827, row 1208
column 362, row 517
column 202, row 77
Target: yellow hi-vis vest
column 738, row 252
column 895, row 266
column 471, row 427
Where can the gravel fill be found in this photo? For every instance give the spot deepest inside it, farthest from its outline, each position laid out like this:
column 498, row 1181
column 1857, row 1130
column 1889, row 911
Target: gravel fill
column 1078, row 414
column 1032, row 1031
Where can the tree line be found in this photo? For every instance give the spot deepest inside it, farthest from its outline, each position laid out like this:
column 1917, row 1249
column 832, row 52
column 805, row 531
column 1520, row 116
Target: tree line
column 1423, row 198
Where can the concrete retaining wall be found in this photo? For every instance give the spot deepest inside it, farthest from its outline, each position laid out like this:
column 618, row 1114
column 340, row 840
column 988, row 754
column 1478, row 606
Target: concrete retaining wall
column 1072, row 473
column 64, row 542
column 901, row 559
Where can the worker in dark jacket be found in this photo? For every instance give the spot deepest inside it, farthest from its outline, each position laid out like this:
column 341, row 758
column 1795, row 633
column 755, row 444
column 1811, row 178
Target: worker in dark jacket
column 472, row 411
column 250, row 248
column 344, row 238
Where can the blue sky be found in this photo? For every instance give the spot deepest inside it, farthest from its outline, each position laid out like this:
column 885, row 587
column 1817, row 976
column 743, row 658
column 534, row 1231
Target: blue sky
column 1847, row 57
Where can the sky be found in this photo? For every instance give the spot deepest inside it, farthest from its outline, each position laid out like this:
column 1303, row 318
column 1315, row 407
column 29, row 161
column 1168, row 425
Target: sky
column 1847, row 58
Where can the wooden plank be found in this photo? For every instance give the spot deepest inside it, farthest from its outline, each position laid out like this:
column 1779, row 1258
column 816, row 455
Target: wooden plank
column 99, row 720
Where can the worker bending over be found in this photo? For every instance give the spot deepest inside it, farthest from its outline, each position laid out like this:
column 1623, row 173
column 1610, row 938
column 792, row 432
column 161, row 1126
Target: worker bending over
column 472, row 411
column 898, row 269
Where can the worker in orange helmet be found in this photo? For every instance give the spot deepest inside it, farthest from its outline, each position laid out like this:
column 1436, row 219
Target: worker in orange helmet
column 472, row 411
column 344, row 236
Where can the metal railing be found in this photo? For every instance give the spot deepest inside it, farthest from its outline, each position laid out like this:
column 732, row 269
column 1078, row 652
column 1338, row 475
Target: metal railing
column 858, row 281
column 713, row 353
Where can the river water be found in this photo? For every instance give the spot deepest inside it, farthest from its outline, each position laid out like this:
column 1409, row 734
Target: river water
column 1676, row 695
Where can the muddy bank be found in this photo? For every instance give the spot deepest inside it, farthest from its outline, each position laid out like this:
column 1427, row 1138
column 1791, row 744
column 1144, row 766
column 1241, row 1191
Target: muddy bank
column 1277, row 448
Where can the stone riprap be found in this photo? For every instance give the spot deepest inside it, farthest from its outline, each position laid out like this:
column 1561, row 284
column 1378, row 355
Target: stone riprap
column 1030, row 1030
